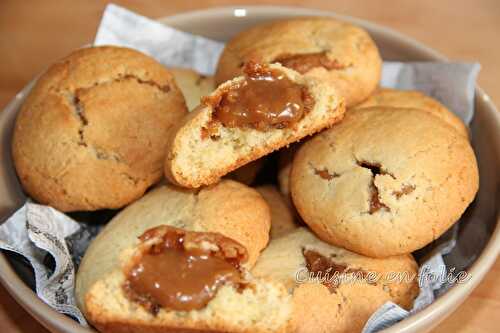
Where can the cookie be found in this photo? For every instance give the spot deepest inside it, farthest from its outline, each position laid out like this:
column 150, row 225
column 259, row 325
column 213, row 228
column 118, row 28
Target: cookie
column 178, row 260
column 193, row 85
column 335, row 290
column 386, row 97
column 242, row 121
column 336, row 52
column 385, row 181
column 282, row 217
column 92, row 132
column 383, row 97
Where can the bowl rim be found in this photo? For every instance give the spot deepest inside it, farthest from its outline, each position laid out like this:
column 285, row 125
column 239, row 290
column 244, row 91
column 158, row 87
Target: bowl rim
column 435, row 312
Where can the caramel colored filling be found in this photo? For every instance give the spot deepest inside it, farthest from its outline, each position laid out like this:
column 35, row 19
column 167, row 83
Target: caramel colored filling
column 318, row 263
column 326, row 267
column 303, row 63
column 406, row 189
column 375, row 203
column 325, row 174
column 182, row 270
column 266, row 99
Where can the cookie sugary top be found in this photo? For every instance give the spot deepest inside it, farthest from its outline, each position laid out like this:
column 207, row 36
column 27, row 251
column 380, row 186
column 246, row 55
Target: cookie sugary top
column 386, row 97
column 91, row 133
column 357, row 62
column 422, row 172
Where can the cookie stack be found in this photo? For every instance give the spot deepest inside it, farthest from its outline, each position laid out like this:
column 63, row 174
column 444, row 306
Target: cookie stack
column 295, row 192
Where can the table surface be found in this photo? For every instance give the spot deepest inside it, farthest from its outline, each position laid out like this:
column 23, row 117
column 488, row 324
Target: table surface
column 35, row 34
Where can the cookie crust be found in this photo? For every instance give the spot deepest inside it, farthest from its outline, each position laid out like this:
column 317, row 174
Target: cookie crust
column 386, row 97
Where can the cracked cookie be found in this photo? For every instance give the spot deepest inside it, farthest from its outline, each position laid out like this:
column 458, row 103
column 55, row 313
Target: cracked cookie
column 385, row 181
column 335, row 290
column 193, row 85
column 336, row 52
column 179, row 260
column 246, row 118
column 383, row 97
column 386, row 97
column 92, row 132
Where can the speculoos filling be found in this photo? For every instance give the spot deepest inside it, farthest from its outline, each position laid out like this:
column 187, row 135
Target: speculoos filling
column 182, row 270
column 265, row 99
column 327, row 269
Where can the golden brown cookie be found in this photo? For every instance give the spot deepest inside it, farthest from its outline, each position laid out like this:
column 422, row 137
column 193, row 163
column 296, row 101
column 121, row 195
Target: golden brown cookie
column 282, row 217
column 193, row 85
column 383, row 97
column 385, row 181
column 336, row 52
column 335, row 290
column 92, row 132
column 386, row 97
column 188, row 270
column 242, row 121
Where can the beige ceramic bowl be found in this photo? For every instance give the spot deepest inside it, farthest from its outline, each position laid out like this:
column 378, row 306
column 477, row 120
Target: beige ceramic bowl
column 221, row 24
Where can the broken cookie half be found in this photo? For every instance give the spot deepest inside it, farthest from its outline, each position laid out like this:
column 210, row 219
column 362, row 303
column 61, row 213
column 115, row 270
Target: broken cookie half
column 246, row 118
column 178, row 280
column 170, row 262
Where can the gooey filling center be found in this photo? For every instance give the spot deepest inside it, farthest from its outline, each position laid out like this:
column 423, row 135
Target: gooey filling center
column 327, row 269
column 267, row 98
column 182, row 270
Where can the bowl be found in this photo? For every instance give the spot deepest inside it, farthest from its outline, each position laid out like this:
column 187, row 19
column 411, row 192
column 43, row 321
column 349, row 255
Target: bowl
column 221, row 24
